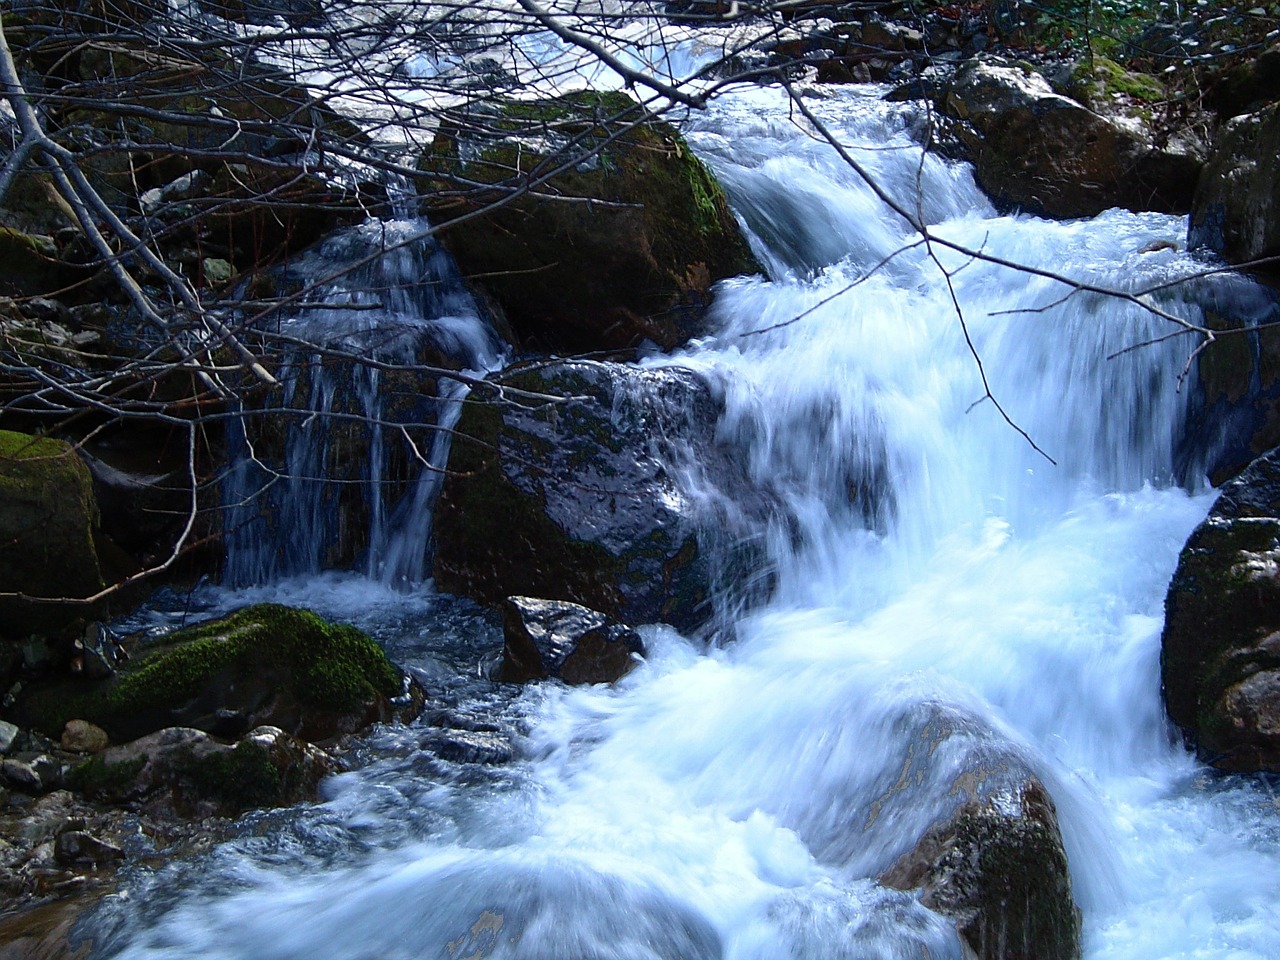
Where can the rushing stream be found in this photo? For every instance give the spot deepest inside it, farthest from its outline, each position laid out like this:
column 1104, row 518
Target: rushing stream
column 737, row 802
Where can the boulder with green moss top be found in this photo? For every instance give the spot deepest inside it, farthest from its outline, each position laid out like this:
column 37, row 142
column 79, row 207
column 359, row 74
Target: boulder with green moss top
column 1220, row 653
column 571, row 490
column 619, row 238
column 264, row 665
column 47, row 521
column 1047, row 154
column 194, row 774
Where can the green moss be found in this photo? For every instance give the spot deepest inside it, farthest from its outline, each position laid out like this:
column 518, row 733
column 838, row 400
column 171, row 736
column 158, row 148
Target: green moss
column 95, row 777
column 336, row 666
column 324, row 667
column 241, row 778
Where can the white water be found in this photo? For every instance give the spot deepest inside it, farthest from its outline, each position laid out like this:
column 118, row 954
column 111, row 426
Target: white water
column 932, row 567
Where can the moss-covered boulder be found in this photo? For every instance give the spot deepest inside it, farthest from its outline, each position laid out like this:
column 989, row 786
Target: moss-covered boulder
column 264, row 665
column 568, row 489
column 47, row 522
column 1236, row 212
column 1220, row 652
column 616, row 236
column 1047, row 154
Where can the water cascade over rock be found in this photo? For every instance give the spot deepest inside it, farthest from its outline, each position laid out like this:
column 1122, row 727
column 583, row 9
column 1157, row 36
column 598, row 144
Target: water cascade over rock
column 939, row 733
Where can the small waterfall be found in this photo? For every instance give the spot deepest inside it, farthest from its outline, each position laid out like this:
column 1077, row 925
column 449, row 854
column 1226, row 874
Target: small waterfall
column 343, row 473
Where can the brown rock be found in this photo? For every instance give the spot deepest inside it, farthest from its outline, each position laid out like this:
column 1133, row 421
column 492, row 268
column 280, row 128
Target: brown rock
column 81, row 736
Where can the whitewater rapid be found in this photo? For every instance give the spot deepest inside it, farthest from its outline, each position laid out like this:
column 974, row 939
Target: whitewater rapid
column 734, row 802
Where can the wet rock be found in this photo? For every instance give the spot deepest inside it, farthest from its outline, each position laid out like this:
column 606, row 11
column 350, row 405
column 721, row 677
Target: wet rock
column 80, row 848
column 1220, row 652
column 997, row 867
column 8, row 736
column 264, row 665
column 571, row 493
column 47, row 520
column 989, row 854
column 80, row 736
column 198, row 775
column 471, row 746
column 621, row 248
column 1236, row 211
column 1047, row 154
column 553, row 639
column 32, row 773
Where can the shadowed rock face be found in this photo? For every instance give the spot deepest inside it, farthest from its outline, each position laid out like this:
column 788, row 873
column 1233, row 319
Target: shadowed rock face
column 574, row 497
column 567, row 641
column 1044, row 153
column 48, row 517
column 1220, row 656
column 1236, row 212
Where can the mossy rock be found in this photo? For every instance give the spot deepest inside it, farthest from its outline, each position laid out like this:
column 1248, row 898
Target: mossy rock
column 620, row 243
column 1220, row 652
column 47, row 521
column 266, row 664
column 193, row 774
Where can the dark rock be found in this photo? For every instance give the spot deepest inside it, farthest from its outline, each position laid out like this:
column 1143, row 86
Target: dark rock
column 198, row 775
column 471, row 746
column 47, row 522
column 77, row 847
column 1044, row 153
column 1220, row 652
column 1250, row 86
column 621, row 248
column 1236, row 211
column 992, row 857
column 572, row 494
column 997, row 867
column 264, row 665
column 553, row 639
column 32, row 773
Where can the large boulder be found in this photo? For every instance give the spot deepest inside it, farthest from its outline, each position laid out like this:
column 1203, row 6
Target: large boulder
column 567, row 487
column 1047, row 154
column 1236, row 212
column 1220, row 653
column 47, row 521
column 618, row 239
column 553, row 638
column 264, row 665
column 993, row 860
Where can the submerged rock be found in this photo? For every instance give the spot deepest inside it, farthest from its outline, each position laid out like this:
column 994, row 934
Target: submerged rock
column 1220, row 652
column 1236, row 212
column 554, row 639
column 264, row 665
column 47, row 521
column 566, row 489
column 620, row 247
column 1047, row 154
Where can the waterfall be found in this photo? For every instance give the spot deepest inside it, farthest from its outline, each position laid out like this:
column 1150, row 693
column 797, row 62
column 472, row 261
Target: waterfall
column 937, row 570
column 331, row 477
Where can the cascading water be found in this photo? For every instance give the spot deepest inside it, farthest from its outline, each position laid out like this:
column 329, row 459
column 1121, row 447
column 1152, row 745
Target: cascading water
column 396, row 300
column 933, row 569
